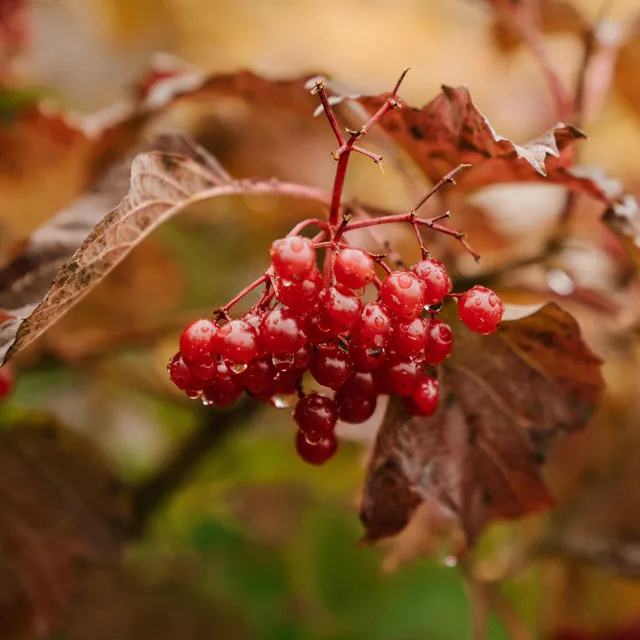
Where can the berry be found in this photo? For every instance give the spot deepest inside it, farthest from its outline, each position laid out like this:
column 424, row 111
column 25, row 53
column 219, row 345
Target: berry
column 181, row 376
column 316, row 452
column 6, row 381
column 366, row 359
column 408, row 336
column 403, row 294
column 331, row 366
column 317, row 329
column 316, row 413
column 356, row 398
column 353, row 268
column 436, row 279
column 226, row 387
column 253, row 318
column 400, row 377
column 282, row 331
column 340, row 309
column 300, row 295
column 481, row 310
column 197, row 342
column 237, row 341
column 426, row 395
column 293, row 257
column 374, row 325
column 439, row 341
column 288, row 382
column 259, row 375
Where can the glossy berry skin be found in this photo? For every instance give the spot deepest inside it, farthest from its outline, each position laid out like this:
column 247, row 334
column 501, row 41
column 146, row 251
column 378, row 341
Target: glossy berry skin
column 481, row 310
column 331, row 366
column 226, row 387
column 300, row 295
column 318, row 451
column 316, row 413
column 402, row 292
column 366, row 359
column 340, row 309
column 198, row 342
column 374, row 326
column 7, row 381
column 181, row 376
column 436, row 279
column 439, row 341
column 408, row 337
column 237, row 341
column 282, row 331
column 293, row 257
column 426, row 395
column 318, row 331
column 353, row 268
column 259, row 375
column 356, row 399
column 400, row 377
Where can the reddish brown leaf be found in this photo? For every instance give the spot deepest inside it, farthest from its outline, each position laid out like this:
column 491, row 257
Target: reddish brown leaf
column 60, row 503
column 505, row 397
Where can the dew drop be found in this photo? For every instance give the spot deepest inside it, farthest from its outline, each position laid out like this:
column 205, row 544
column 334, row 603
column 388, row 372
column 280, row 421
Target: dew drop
column 283, row 361
column 237, row 367
column 374, row 353
column 282, row 402
column 379, row 322
column 206, row 402
column 405, row 281
column 493, row 299
column 478, row 302
column 450, row 561
column 193, row 395
column 296, row 244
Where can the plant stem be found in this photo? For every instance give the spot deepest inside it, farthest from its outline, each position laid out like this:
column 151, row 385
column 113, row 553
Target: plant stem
column 256, row 283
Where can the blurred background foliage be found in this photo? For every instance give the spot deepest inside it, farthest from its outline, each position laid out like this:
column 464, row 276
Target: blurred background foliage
column 252, row 543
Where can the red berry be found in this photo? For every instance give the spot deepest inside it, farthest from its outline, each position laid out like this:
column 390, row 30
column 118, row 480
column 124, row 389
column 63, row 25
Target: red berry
column 300, row 295
column 205, row 373
column 366, row 359
column 481, row 310
column 254, row 318
column 439, row 341
column 237, row 341
column 353, row 268
column 316, row 413
column 331, row 366
column 340, row 309
column 436, row 279
column 318, row 330
column 316, row 452
column 181, row 375
column 197, row 342
column 288, row 382
column 226, row 387
column 356, row 398
column 282, row 331
column 293, row 257
column 426, row 395
column 259, row 375
column 408, row 336
column 374, row 325
column 7, row 380
column 403, row 292
column 400, row 377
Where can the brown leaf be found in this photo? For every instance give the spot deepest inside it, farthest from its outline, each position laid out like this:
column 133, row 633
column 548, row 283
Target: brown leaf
column 60, row 503
column 504, row 398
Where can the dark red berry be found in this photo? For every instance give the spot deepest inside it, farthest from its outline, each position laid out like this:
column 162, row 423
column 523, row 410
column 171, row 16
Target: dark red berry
column 316, row 413
column 316, row 452
column 481, row 310
column 402, row 292
column 366, row 359
column 318, row 330
column 205, row 373
column 7, row 380
column 237, row 341
column 400, row 377
column 426, row 395
column 356, row 399
column 408, row 336
column 282, row 331
column 226, row 388
column 436, row 279
column 181, row 376
column 293, row 257
column 439, row 341
column 331, row 366
column 197, row 342
column 300, row 295
column 259, row 375
column 340, row 309
column 353, row 268
column 288, row 382
column 374, row 325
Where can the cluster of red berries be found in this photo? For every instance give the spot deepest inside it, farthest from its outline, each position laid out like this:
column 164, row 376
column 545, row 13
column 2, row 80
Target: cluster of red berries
column 387, row 346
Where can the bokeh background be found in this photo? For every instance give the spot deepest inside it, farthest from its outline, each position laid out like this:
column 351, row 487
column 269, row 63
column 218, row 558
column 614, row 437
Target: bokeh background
column 251, row 543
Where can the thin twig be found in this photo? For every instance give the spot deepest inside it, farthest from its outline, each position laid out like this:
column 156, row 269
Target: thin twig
column 448, row 179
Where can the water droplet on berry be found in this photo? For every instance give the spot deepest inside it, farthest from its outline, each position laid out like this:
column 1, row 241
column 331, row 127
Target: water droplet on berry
column 206, row 401
column 283, row 361
column 405, row 281
column 493, row 299
column 193, row 395
column 478, row 302
column 379, row 322
column 237, row 367
column 296, row 244
column 282, row 402
column 374, row 353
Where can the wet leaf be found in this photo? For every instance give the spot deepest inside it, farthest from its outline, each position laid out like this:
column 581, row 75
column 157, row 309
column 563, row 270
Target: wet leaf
column 60, row 504
column 505, row 398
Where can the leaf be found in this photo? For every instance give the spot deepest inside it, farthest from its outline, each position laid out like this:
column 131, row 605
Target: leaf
column 60, row 503
column 623, row 218
column 505, row 397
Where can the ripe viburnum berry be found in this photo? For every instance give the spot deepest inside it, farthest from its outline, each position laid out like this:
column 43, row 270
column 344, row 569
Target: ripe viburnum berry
column 316, row 413
column 237, row 341
column 181, row 376
column 340, row 309
column 439, row 341
column 197, row 342
column 366, row 359
column 400, row 377
column 317, row 329
column 226, row 386
column 373, row 326
column 436, row 279
column 293, row 257
column 353, row 268
column 426, row 395
column 356, row 398
column 300, row 295
column 402, row 292
column 408, row 336
column 282, row 331
column 259, row 375
column 331, row 366
column 481, row 310
column 316, row 451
